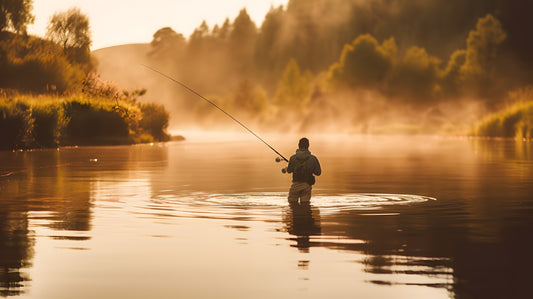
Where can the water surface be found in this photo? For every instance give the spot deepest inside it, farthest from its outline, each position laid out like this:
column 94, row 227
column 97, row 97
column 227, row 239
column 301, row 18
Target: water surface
column 410, row 217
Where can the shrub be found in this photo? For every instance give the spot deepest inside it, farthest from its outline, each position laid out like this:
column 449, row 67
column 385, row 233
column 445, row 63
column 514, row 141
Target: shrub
column 90, row 124
column 46, row 125
column 515, row 121
column 155, row 121
column 49, row 121
column 15, row 125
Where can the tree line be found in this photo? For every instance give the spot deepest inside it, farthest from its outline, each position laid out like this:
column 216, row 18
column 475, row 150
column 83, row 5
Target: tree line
column 360, row 63
column 330, row 55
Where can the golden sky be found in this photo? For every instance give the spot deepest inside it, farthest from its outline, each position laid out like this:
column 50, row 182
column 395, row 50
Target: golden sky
column 115, row 22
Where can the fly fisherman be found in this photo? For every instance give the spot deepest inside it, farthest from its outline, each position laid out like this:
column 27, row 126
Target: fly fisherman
column 303, row 167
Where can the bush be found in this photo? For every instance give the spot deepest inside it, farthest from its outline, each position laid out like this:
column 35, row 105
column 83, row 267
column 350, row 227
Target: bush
column 90, row 124
column 36, row 65
column 515, row 121
column 15, row 124
column 46, row 125
column 42, row 122
column 155, row 121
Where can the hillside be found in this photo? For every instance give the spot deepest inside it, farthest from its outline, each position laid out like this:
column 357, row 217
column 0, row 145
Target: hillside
column 122, row 64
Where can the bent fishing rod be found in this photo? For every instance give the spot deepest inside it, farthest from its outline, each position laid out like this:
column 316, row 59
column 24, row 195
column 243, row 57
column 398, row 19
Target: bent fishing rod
column 218, row 107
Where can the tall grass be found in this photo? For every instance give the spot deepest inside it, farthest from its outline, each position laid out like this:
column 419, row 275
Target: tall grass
column 515, row 121
column 51, row 121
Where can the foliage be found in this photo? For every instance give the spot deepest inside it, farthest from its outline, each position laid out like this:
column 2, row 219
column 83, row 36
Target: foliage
column 15, row 124
column 94, row 86
column 425, row 54
column 417, row 76
column 516, row 120
column 473, row 68
column 251, row 98
column 70, row 29
column 93, row 124
column 155, row 121
column 482, row 45
column 167, row 43
column 364, row 63
column 47, row 127
column 294, row 89
column 241, row 42
column 49, row 121
column 36, row 65
column 16, row 15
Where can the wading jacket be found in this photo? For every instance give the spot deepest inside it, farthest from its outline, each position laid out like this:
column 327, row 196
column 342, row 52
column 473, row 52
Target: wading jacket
column 303, row 166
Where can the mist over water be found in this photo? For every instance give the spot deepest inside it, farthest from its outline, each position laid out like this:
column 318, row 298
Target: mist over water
column 403, row 217
column 376, row 66
column 398, row 212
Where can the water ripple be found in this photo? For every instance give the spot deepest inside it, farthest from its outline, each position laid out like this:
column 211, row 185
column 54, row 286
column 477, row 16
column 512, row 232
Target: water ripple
column 342, row 201
column 260, row 204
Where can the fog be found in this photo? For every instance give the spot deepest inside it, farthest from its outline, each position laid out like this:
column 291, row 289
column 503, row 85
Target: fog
column 381, row 66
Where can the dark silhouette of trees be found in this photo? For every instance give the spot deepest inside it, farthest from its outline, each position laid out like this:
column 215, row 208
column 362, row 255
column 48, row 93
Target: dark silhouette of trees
column 241, row 43
column 71, row 30
column 166, row 43
column 33, row 64
column 368, row 55
column 36, row 65
column 364, row 63
column 16, row 15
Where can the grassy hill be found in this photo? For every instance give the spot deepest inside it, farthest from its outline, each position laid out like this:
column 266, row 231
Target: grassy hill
column 122, row 64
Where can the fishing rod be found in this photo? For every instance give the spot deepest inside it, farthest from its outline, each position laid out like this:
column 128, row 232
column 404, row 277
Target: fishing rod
column 216, row 106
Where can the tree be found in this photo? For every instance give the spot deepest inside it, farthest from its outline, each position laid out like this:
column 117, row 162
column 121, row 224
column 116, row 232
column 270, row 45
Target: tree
column 242, row 41
column 199, row 42
column 482, row 44
column 269, row 57
column 167, row 43
column 251, row 98
column 294, row 89
column 416, row 76
column 71, row 30
column 16, row 14
column 475, row 67
column 364, row 63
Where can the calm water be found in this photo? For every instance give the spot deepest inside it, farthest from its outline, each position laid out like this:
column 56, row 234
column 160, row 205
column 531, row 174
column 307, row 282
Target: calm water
column 415, row 217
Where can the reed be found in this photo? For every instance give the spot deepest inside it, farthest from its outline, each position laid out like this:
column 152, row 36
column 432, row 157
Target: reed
column 515, row 121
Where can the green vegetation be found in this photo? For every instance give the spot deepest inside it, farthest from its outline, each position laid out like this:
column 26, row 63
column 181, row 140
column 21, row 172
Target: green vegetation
column 54, row 65
column 358, row 66
column 16, row 15
column 50, row 95
column 51, row 121
column 31, row 64
column 514, row 121
column 70, row 30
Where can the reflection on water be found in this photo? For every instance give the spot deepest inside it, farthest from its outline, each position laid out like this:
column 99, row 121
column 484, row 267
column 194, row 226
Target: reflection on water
column 15, row 252
column 422, row 218
column 303, row 221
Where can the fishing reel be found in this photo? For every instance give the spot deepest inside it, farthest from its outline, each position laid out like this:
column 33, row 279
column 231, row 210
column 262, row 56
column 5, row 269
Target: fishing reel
column 278, row 160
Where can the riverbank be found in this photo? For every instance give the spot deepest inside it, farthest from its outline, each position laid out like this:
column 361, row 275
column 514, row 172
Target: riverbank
column 515, row 121
column 47, row 121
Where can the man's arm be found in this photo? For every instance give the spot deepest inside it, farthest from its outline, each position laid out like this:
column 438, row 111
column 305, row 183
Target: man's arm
column 317, row 170
column 290, row 167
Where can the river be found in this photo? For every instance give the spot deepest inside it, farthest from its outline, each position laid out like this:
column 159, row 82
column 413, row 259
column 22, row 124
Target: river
column 390, row 217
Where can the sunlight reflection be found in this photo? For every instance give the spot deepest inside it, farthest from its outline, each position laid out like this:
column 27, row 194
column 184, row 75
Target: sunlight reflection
column 340, row 202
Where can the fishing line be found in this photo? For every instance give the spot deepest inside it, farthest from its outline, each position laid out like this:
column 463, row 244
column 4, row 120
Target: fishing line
column 216, row 106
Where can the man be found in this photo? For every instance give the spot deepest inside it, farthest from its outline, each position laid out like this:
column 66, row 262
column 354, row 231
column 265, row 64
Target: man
column 303, row 167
